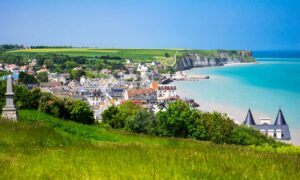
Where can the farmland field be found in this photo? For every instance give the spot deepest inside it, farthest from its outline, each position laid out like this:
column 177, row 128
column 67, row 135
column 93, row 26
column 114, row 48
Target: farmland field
column 143, row 55
column 44, row 147
column 165, row 56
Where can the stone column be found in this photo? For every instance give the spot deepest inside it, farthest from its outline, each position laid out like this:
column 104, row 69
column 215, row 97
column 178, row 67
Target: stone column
column 9, row 111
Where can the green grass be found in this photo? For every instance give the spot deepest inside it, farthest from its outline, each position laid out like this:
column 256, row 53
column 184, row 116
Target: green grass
column 139, row 55
column 40, row 146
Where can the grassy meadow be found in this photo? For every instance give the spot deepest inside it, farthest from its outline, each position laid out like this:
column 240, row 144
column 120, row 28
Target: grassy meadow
column 40, row 146
column 138, row 55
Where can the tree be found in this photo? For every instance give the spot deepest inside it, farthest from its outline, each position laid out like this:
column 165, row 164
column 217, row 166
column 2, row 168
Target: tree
column 42, row 77
column 26, row 99
column 142, row 122
column 70, row 64
column 177, row 119
column 25, row 78
column 109, row 116
column 50, row 104
column 82, row 113
column 116, row 117
column 76, row 74
column 167, row 55
column 49, row 63
column 214, row 126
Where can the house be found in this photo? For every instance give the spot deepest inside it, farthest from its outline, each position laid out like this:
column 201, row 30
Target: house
column 128, row 61
column 82, row 80
column 166, row 93
column 279, row 130
column 117, row 92
column 154, row 63
column 11, row 67
column 93, row 100
column 74, row 83
column 142, row 68
column 143, row 96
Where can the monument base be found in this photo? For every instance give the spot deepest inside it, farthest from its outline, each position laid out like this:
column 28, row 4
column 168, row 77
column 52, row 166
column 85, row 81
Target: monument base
column 10, row 114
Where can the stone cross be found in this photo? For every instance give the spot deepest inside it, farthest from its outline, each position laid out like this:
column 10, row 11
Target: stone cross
column 9, row 111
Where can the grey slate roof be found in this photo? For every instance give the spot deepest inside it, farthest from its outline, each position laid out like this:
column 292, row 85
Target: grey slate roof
column 280, row 123
column 280, row 118
column 249, row 121
column 284, row 130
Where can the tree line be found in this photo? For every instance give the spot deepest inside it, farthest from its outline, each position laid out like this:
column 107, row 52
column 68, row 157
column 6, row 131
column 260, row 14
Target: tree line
column 64, row 108
column 180, row 120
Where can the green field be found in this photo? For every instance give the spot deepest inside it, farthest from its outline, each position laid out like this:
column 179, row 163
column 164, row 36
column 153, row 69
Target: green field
column 40, row 146
column 138, row 55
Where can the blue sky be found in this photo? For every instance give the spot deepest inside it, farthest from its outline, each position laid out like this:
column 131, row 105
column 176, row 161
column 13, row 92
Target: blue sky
column 197, row 24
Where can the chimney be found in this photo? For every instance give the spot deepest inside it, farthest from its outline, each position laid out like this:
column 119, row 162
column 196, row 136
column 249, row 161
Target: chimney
column 265, row 121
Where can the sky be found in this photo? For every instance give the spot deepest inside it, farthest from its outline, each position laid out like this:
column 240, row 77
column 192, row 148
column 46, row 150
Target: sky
column 192, row 24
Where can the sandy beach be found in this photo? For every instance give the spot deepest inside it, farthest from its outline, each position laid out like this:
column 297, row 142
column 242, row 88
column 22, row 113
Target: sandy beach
column 240, row 64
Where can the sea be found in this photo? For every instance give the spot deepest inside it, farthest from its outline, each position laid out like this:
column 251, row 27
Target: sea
column 271, row 84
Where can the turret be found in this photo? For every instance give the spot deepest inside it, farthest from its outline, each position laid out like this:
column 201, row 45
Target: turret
column 249, row 121
column 280, row 118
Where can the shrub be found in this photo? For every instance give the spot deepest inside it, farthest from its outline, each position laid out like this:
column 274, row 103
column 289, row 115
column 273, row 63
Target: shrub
column 125, row 110
column 82, row 113
column 214, row 126
column 109, row 116
column 66, row 108
column 177, row 119
column 50, row 104
column 142, row 122
column 248, row 136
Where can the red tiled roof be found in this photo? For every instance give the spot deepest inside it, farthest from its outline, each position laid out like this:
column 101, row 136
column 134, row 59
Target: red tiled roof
column 132, row 92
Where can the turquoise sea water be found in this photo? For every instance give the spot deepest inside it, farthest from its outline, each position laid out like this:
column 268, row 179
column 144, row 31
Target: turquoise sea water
column 264, row 87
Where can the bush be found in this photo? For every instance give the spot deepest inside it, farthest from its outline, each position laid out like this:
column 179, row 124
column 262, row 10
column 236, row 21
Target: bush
column 42, row 77
column 82, row 113
column 66, row 108
column 248, row 136
column 180, row 120
column 142, row 122
column 214, row 126
column 50, row 104
column 109, row 116
column 125, row 110
column 177, row 119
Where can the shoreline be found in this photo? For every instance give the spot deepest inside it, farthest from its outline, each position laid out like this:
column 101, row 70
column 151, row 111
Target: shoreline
column 185, row 75
column 237, row 114
column 234, row 112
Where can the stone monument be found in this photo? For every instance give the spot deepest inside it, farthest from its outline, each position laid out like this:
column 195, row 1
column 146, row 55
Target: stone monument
column 9, row 111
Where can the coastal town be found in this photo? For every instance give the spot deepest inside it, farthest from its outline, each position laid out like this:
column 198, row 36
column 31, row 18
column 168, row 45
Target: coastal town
column 141, row 83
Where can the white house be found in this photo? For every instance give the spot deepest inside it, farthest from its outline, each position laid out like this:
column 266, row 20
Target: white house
column 165, row 92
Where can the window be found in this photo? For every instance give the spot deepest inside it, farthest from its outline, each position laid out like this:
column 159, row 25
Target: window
column 278, row 133
column 270, row 132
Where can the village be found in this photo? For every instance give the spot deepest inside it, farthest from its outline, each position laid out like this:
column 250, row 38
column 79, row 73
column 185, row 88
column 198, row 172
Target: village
column 141, row 83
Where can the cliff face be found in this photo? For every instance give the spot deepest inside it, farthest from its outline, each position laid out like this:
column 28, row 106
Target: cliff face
column 191, row 60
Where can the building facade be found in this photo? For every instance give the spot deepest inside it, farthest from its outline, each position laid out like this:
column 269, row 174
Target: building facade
column 279, row 130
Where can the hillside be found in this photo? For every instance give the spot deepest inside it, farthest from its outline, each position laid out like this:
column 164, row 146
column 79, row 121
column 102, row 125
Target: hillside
column 165, row 56
column 41, row 146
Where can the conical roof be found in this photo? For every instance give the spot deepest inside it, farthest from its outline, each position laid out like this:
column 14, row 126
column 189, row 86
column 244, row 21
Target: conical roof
column 249, row 119
column 280, row 118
